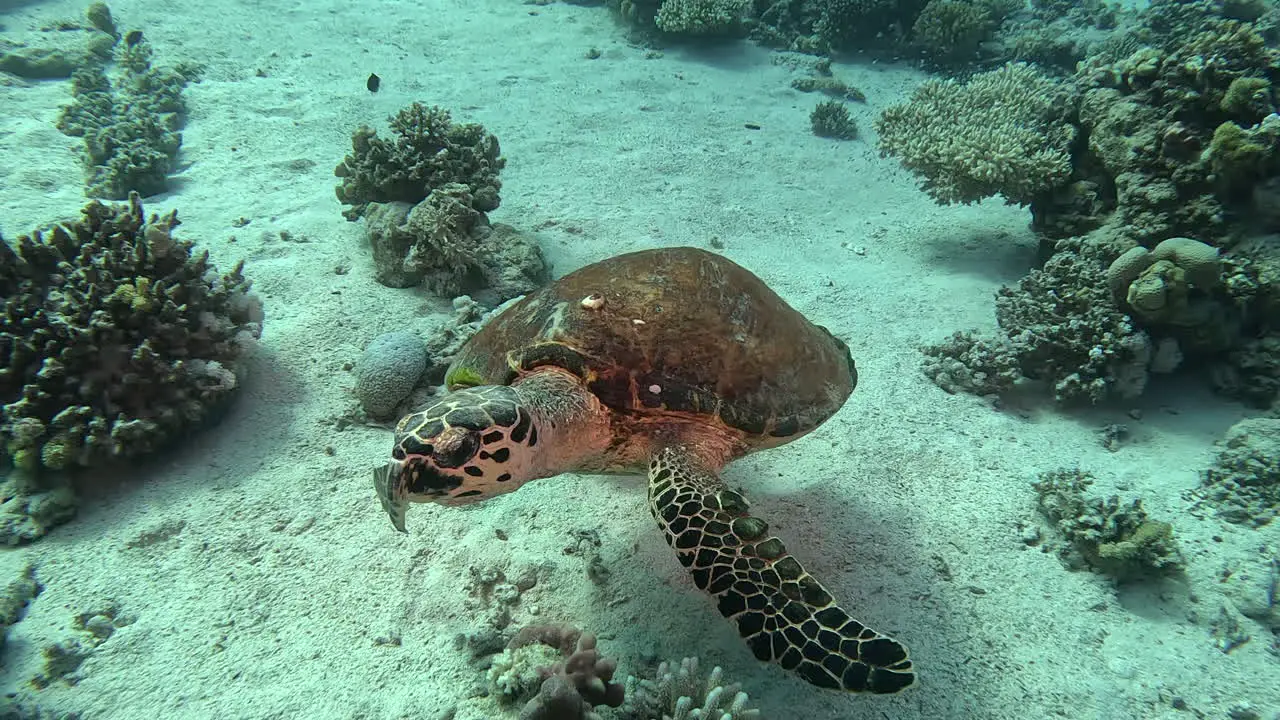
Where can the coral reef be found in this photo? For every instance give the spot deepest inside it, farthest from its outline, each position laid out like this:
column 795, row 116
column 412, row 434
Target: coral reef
column 388, row 371
column 1061, row 326
column 129, row 113
column 830, row 119
column 424, row 199
column 557, row 672
column 431, row 151
column 701, row 17
column 1000, row 133
column 967, row 362
column 450, row 247
column 950, row 32
column 1117, row 539
column 116, row 337
column 1244, row 480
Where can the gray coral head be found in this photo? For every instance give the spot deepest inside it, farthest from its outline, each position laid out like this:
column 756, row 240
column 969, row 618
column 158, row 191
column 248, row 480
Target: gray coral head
column 473, row 444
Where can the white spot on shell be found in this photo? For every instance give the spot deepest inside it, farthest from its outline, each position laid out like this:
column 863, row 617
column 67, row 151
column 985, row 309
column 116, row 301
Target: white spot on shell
column 655, row 389
column 594, row 301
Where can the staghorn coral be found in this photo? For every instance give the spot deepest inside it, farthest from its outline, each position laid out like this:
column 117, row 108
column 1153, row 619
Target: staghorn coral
column 430, row 152
column 116, row 337
column 1002, row 132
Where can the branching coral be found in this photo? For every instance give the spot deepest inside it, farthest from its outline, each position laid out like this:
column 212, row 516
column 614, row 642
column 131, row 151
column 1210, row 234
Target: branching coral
column 430, row 152
column 129, row 116
column 683, row 693
column 116, row 336
column 950, row 31
column 701, row 17
column 1003, row 132
column 1115, row 538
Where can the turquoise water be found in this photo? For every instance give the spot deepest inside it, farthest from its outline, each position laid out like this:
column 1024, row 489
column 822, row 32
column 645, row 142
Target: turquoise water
column 247, row 239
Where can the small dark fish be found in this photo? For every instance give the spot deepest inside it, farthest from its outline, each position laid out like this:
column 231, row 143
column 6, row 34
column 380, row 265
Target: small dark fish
column 133, row 37
column 373, row 83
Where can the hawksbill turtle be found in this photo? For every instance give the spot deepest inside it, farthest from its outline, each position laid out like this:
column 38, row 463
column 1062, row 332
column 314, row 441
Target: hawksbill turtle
column 675, row 361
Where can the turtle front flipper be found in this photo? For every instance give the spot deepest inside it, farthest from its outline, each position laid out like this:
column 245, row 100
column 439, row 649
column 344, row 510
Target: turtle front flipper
column 783, row 613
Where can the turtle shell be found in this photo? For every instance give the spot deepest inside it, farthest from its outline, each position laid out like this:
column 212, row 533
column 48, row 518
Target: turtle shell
column 671, row 330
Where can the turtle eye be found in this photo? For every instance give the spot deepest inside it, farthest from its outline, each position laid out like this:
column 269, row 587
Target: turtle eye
column 454, row 447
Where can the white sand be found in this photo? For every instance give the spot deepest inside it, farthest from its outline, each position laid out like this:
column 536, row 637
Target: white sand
column 271, row 570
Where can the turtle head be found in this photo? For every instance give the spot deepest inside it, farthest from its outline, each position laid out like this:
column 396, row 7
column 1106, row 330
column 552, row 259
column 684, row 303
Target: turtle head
column 473, row 444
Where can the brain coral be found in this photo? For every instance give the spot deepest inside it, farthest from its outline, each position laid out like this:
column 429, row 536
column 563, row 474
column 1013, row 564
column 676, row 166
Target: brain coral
column 114, row 337
column 388, row 371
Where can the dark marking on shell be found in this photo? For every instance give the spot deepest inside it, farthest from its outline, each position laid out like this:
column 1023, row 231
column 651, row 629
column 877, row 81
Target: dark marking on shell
column 471, row 418
column 522, row 426
column 503, row 414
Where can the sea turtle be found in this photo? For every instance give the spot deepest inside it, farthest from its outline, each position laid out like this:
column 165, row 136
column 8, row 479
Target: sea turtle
column 677, row 361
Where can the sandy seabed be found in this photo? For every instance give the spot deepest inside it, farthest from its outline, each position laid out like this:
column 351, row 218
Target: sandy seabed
column 262, row 576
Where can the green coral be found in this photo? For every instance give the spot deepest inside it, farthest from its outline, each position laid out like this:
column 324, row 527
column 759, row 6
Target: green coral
column 430, row 151
column 1003, row 132
column 1115, row 538
column 845, row 24
column 1247, row 98
column 1238, row 156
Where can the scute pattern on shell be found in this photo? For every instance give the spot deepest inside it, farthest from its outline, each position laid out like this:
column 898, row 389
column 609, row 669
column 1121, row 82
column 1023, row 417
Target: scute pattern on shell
column 680, row 330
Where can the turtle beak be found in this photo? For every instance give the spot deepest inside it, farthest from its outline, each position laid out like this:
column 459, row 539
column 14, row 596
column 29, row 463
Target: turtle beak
column 391, row 492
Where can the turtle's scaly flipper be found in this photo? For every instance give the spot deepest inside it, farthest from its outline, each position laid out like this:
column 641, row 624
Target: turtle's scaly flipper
column 783, row 613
